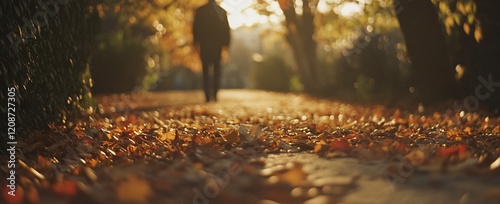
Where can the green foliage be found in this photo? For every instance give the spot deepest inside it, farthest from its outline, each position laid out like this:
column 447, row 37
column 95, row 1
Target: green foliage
column 49, row 66
column 378, row 14
column 341, row 29
column 363, row 54
column 375, row 68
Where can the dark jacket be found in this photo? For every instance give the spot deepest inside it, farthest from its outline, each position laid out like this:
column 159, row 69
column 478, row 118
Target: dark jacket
column 211, row 27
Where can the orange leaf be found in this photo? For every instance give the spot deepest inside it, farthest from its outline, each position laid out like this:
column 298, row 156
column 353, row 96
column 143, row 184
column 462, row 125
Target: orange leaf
column 478, row 35
column 340, row 145
column 65, row 188
column 445, row 152
column 197, row 140
column 132, row 118
column 401, row 147
column 318, row 148
column 32, row 195
column 43, row 162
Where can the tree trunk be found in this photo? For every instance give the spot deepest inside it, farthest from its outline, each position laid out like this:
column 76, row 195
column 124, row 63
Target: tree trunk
column 300, row 30
column 427, row 49
column 486, row 61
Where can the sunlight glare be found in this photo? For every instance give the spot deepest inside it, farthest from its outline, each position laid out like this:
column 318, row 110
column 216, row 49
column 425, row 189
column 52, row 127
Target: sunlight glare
column 298, row 7
column 236, row 12
column 348, row 9
column 241, row 13
column 323, row 6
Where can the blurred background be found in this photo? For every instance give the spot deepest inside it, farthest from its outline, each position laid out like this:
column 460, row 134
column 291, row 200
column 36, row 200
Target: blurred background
column 147, row 45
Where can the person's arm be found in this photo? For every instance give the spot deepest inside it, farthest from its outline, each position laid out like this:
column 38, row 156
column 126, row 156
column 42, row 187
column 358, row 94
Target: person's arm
column 196, row 31
column 227, row 31
column 227, row 39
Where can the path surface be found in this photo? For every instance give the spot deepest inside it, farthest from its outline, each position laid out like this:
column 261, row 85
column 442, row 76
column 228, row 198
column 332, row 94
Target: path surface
column 264, row 147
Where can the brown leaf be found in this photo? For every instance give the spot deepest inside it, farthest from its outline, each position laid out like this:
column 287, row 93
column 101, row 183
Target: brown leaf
column 207, row 153
column 340, row 145
column 232, row 136
column 170, row 135
column 65, row 188
column 320, row 147
column 32, row 195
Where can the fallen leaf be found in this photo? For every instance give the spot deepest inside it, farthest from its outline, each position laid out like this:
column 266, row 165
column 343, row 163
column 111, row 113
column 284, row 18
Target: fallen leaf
column 65, row 188
column 318, row 148
column 90, row 174
column 495, row 164
column 232, row 136
column 170, row 135
column 32, row 195
column 207, row 153
column 340, row 145
column 43, row 162
column 446, row 152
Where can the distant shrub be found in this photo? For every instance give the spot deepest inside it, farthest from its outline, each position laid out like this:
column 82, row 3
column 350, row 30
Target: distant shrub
column 271, row 74
column 178, row 77
column 118, row 69
column 375, row 68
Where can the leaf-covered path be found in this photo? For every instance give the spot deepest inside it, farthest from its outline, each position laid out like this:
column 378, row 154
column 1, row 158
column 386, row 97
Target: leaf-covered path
column 259, row 147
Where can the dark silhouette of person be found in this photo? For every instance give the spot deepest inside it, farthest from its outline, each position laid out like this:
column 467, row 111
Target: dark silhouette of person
column 210, row 35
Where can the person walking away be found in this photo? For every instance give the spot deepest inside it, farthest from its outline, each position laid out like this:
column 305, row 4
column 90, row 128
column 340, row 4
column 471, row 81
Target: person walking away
column 210, row 35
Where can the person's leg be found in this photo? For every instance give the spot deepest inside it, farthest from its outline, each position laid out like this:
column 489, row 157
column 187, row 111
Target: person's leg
column 217, row 75
column 206, row 79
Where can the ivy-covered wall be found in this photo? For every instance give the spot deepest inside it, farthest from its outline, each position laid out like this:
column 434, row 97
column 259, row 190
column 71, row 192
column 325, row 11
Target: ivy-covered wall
column 44, row 54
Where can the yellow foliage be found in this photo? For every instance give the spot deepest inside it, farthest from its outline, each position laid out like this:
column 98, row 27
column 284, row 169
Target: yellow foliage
column 443, row 7
column 449, row 21
column 478, row 35
column 466, row 28
column 461, row 7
